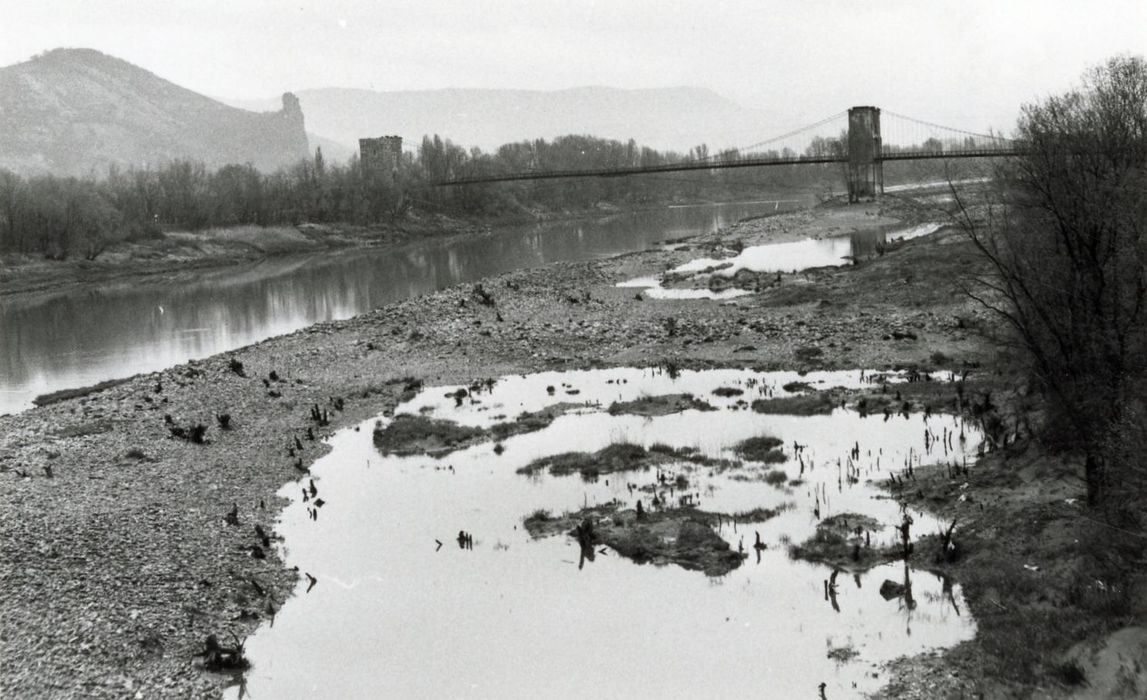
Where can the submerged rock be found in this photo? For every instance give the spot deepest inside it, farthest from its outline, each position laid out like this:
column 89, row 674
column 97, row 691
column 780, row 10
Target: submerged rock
column 891, row 589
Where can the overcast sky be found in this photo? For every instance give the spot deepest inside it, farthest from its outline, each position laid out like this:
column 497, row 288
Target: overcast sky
column 967, row 64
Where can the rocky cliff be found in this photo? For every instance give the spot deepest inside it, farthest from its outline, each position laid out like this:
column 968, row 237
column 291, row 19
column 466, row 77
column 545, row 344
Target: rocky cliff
column 78, row 111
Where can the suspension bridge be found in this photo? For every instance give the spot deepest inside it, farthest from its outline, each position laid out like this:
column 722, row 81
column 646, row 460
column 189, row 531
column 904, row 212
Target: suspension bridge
column 855, row 138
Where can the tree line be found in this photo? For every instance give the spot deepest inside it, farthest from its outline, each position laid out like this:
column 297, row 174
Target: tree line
column 1064, row 230
column 69, row 217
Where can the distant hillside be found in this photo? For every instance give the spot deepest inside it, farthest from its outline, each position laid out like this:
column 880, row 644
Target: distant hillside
column 662, row 118
column 333, row 151
column 75, row 111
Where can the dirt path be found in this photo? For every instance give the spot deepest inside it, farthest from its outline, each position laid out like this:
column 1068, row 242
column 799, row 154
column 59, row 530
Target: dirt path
column 118, row 557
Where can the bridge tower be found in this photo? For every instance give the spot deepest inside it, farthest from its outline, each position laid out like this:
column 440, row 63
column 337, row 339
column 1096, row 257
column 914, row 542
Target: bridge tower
column 865, row 166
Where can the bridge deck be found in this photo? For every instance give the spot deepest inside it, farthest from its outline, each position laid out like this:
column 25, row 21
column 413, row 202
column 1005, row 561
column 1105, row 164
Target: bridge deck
column 722, row 165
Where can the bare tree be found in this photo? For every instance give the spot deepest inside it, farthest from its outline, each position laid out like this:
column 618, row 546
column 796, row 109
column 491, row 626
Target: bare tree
column 1063, row 227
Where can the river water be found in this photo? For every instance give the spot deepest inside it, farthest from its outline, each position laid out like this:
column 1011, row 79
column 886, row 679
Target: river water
column 92, row 334
column 393, row 614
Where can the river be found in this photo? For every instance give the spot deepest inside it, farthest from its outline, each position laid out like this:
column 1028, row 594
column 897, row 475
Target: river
column 91, row 334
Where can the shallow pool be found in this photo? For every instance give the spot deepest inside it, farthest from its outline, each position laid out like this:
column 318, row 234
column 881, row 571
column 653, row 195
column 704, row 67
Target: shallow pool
column 395, row 614
column 789, row 257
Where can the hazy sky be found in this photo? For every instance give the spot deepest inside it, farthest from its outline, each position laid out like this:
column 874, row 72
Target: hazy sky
column 968, row 64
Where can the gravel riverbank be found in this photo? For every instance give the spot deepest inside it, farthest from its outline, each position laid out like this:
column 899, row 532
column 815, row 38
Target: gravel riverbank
column 117, row 553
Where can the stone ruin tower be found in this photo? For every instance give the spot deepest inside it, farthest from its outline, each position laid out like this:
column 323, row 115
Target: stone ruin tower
column 382, row 155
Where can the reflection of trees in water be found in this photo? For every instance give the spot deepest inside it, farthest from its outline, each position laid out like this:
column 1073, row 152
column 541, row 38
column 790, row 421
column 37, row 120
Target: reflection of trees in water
column 117, row 329
column 902, row 592
column 865, row 245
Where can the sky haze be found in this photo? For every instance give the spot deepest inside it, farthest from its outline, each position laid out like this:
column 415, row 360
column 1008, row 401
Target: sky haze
column 967, row 64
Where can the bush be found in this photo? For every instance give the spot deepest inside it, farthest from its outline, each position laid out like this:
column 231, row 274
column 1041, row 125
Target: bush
column 764, row 448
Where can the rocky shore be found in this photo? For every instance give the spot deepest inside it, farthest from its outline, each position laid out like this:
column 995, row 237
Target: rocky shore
column 127, row 533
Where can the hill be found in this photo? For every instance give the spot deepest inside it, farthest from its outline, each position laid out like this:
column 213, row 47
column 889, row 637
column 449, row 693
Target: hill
column 663, row 118
column 77, row 111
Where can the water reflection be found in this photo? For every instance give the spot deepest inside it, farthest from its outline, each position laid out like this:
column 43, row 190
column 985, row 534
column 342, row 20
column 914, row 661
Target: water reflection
column 117, row 330
column 789, row 257
column 505, row 615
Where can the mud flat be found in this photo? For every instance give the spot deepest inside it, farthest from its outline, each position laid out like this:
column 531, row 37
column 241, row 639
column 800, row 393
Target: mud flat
column 125, row 546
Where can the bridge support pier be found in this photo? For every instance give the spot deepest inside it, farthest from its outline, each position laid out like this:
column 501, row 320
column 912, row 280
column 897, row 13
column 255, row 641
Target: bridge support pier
column 865, row 166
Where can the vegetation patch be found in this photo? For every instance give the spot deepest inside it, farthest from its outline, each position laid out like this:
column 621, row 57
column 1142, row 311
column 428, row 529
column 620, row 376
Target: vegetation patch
column 621, row 456
column 844, row 541
column 65, row 394
column 681, row 536
column 691, row 455
column 681, row 452
column 924, row 395
column 764, row 448
column 843, row 655
column 660, row 405
column 776, row 477
column 798, row 387
column 728, row 391
column 1048, row 583
column 530, row 422
column 808, row 405
column 760, row 515
column 411, row 435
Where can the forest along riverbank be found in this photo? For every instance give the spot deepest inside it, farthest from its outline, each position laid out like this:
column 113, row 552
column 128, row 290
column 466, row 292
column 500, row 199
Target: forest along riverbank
column 133, row 510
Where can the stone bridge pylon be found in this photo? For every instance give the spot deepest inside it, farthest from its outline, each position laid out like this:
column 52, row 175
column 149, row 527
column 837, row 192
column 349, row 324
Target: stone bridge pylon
column 865, row 167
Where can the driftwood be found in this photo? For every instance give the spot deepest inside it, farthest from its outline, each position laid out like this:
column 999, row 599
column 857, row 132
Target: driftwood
column 217, row 657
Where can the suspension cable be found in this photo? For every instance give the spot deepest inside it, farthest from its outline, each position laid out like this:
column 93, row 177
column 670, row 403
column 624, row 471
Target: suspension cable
column 945, row 128
column 795, row 132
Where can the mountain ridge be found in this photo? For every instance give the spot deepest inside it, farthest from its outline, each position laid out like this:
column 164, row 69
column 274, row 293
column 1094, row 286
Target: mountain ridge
column 668, row 118
column 79, row 111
